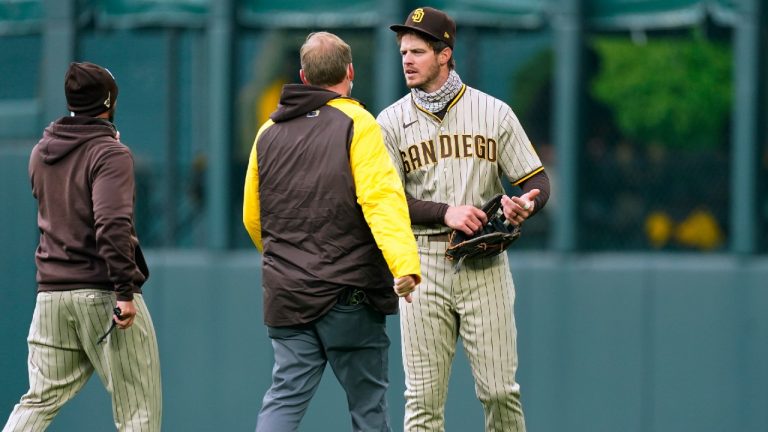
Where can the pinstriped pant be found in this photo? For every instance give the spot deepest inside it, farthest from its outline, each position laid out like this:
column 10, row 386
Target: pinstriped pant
column 476, row 304
column 63, row 354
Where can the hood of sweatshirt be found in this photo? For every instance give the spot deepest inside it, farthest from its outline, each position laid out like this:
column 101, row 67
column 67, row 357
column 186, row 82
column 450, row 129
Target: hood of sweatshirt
column 69, row 133
column 299, row 99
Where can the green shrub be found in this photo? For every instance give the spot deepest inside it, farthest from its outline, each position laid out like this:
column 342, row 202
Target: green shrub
column 669, row 91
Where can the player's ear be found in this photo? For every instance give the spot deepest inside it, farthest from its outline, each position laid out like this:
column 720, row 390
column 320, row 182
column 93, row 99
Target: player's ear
column 303, row 78
column 444, row 56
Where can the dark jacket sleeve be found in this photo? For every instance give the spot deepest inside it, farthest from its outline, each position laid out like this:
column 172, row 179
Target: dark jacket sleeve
column 112, row 195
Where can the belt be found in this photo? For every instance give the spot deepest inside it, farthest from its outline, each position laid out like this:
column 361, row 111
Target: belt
column 442, row 237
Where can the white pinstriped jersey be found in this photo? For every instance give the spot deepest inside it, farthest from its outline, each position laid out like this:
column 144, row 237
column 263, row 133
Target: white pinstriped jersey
column 458, row 160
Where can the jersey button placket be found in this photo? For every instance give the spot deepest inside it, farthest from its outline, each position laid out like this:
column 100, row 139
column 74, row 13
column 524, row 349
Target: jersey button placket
column 443, row 180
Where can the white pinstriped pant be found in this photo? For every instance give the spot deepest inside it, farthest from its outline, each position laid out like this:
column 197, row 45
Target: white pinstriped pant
column 476, row 304
column 63, row 354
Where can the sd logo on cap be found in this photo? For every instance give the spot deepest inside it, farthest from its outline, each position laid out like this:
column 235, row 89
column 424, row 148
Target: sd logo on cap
column 430, row 22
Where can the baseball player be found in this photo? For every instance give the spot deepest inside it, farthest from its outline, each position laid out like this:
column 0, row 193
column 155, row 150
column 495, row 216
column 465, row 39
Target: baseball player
column 90, row 267
column 451, row 143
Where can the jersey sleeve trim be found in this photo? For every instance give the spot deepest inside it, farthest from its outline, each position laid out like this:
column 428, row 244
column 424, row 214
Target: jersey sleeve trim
column 529, row 175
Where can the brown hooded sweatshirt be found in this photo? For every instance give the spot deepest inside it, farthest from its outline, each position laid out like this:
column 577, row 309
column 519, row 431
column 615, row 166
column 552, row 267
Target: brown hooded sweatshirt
column 82, row 177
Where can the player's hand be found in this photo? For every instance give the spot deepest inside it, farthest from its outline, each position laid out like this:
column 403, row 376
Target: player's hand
column 405, row 285
column 518, row 209
column 127, row 312
column 467, row 219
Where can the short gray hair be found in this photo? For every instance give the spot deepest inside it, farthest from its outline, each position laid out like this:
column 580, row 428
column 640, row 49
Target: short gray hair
column 324, row 59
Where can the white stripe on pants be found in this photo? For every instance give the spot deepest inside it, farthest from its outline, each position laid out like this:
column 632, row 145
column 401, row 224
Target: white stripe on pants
column 476, row 304
column 63, row 354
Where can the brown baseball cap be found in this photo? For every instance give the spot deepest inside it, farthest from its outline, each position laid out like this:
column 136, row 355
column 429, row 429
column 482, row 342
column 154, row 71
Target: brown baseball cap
column 90, row 89
column 434, row 23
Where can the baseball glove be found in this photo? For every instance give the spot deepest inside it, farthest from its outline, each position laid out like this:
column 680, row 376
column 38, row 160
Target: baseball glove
column 492, row 239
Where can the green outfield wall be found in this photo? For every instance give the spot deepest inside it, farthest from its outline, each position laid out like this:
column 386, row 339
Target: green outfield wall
column 607, row 342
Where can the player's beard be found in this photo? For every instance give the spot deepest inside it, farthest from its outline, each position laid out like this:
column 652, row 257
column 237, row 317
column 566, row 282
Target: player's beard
column 431, row 75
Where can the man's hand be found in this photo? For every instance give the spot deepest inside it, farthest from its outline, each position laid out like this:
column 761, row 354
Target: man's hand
column 518, row 209
column 405, row 285
column 127, row 312
column 467, row 219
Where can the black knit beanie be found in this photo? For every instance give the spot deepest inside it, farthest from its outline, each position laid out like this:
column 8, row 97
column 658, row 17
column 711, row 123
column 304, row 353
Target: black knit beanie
column 90, row 89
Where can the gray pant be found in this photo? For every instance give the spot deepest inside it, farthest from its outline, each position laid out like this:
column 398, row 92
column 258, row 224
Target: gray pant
column 63, row 354
column 354, row 341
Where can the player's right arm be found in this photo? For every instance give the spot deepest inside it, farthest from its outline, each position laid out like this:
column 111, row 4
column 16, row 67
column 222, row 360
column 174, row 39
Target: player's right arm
column 465, row 218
